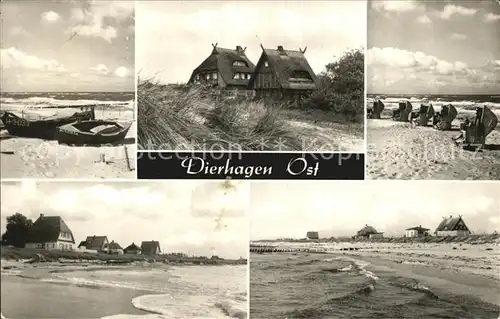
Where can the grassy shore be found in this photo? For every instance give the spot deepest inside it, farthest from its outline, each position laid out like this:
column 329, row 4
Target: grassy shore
column 11, row 253
column 178, row 117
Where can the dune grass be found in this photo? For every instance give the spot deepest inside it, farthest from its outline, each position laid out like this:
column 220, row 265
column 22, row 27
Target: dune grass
column 184, row 118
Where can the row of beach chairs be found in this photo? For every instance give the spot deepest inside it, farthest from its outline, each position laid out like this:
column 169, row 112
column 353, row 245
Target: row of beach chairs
column 474, row 131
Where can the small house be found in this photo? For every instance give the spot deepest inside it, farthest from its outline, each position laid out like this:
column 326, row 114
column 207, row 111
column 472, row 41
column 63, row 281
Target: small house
column 115, row 248
column 283, row 74
column 368, row 232
column 150, row 248
column 452, row 226
column 132, row 249
column 97, row 243
column 312, row 235
column 224, row 68
column 417, row 231
column 51, row 233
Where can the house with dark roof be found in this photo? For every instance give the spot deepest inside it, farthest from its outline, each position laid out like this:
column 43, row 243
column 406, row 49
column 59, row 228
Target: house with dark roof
column 283, row 74
column 97, row 243
column 224, row 68
column 417, row 231
column 452, row 226
column 115, row 248
column 132, row 249
column 312, row 235
column 368, row 232
column 50, row 232
column 150, row 248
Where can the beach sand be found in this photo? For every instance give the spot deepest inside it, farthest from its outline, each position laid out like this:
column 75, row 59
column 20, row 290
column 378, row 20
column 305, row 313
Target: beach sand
column 35, row 158
column 397, row 150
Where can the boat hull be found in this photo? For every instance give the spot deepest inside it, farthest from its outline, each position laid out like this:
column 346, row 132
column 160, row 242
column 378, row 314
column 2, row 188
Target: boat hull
column 43, row 129
column 68, row 135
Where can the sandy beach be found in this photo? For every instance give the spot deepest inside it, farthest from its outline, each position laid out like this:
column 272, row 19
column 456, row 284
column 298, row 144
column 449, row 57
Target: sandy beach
column 29, row 157
column 397, row 150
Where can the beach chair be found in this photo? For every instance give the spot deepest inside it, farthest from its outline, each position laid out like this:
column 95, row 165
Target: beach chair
column 378, row 107
column 404, row 111
column 447, row 115
column 482, row 125
column 425, row 113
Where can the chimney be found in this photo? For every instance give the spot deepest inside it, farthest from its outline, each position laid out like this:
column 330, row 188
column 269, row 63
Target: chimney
column 41, row 215
column 280, row 48
column 239, row 48
column 451, row 216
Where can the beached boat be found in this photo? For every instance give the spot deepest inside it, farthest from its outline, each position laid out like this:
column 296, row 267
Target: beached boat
column 41, row 128
column 94, row 132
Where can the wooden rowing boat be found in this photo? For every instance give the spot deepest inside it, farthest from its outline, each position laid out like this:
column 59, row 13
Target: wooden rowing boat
column 41, row 128
column 93, row 132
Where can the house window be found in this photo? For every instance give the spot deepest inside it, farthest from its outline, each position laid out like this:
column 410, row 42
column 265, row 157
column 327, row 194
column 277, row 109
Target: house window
column 266, row 64
column 208, row 77
column 240, row 63
column 197, row 77
column 236, row 76
column 214, row 76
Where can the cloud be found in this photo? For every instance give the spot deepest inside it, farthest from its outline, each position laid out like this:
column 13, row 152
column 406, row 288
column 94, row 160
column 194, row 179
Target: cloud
column 134, row 211
column 396, row 6
column 94, row 19
column 122, row 72
column 401, row 70
column 459, row 36
column 50, row 16
column 450, row 10
column 100, row 69
column 13, row 58
column 424, row 19
column 491, row 17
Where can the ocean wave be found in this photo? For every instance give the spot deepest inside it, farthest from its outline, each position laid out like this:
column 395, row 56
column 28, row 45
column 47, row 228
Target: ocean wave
column 413, row 285
column 466, row 105
column 98, row 284
column 50, row 102
column 180, row 307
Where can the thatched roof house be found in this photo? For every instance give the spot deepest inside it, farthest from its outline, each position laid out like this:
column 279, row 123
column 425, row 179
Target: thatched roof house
column 452, row 226
column 132, row 249
column 368, row 232
column 150, row 248
column 283, row 73
column 312, row 235
column 416, row 231
column 224, row 68
column 98, row 243
column 114, row 245
column 50, row 232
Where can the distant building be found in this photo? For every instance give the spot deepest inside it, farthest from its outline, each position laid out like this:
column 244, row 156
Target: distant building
column 97, row 243
column 51, row 233
column 132, row 249
column 283, row 74
column 417, row 231
column 224, row 68
column 115, row 248
column 368, row 232
column 312, row 235
column 150, row 248
column 452, row 226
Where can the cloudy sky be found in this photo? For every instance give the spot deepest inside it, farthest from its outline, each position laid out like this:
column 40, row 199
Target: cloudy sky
column 447, row 47
column 67, row 46
column 185, row 216
column 290, row 209
column 174, row 37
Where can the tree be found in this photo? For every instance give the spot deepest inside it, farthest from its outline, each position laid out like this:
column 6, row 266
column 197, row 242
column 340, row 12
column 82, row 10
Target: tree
column 18, row 227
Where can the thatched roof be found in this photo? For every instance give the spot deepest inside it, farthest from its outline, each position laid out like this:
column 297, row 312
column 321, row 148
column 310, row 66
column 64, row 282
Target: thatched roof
column 290, row 68
column 95, row 242
column 367, row 230
column 418, row 228
column 47, row 229
column 114, row 245
column 150, row 246
column 132, row 247
column 451, row 223
column 222, row 60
